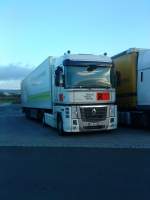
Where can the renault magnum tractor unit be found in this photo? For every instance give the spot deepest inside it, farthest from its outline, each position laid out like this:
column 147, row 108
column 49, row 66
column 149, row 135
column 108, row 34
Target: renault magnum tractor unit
column 74, row 93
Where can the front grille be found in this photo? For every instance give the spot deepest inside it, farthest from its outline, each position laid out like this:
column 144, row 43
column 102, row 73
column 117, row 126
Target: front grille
column 93, row 114
column 94, row 127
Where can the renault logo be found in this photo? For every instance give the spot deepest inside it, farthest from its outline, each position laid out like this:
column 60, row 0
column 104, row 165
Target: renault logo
column 93, row 111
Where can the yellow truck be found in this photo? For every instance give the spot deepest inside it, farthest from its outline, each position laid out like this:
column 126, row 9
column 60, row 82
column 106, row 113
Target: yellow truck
column 133, row 86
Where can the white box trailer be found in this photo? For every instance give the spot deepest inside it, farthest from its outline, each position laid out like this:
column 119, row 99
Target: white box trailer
column 133, row 88
column 36, row 87
column 74, row 93
column 143, row 79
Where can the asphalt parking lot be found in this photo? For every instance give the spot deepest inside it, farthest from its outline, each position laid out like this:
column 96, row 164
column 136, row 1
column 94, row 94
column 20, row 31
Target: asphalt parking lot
column 16, row 130
column 36, row 163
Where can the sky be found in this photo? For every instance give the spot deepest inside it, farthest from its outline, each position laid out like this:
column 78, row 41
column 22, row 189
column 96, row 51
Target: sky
column 32, row 30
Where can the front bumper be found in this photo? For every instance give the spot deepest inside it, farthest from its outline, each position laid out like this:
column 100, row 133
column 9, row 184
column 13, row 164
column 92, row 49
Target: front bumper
column 84, row 122
column 108, row 124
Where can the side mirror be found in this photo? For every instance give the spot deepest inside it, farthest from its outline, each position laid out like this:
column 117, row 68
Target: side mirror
column 56, row 80
column 59, row 77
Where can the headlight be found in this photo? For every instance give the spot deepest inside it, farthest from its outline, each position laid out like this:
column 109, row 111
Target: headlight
column 74, row 112
column 112, row 111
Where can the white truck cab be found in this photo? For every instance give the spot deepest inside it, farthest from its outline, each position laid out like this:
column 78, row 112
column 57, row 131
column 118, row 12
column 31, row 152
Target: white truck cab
column 80, row 92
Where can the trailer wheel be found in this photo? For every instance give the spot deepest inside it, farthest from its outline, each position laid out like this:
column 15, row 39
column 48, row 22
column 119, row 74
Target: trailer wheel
column 39, row 116
column 145, row 121
column 43, row 121
column 27, row 114
column 60, row 126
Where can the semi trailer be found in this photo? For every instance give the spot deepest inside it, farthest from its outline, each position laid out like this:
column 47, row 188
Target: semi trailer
column 73, row 93
column 133, row 86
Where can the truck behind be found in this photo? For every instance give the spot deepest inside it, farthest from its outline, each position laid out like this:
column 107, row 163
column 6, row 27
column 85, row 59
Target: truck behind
column 73, row 93
column 133, row 86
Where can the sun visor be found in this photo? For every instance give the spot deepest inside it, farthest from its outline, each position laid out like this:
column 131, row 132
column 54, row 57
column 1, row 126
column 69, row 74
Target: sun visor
column 69, row 62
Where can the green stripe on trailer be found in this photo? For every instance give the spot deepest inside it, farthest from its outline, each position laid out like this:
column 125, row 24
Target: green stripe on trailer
column 39, row 96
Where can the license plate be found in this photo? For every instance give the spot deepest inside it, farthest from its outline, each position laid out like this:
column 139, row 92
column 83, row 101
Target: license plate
column 96, row 124
column 93, row 124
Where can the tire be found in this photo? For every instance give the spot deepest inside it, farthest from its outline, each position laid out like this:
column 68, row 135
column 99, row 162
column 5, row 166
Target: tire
column 28, row 114
column 43, row 121
column 40, row 116
column 140, row 120
column 145, row 121
column 60, row 127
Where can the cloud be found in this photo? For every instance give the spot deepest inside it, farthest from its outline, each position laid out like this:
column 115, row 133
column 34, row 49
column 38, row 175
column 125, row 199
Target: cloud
column 14, row 72
column 10, row 84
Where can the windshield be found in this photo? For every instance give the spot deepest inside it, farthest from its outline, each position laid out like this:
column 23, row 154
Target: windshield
column 88, row 77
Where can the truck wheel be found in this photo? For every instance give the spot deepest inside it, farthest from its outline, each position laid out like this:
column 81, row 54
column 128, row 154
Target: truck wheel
column 60, row 126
